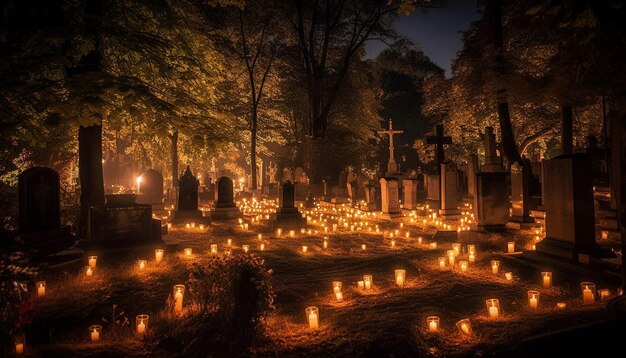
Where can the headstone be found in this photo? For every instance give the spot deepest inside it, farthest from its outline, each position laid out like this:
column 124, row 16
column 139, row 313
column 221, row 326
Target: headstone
column 439, row 140
column 392, row 166
column 411, row 189
column 492, row 161
column 287, row 215
column 40, row 229
column 570, row 217
column 151, row 189
column 433, row 188
column 371, row 198
column 472, row 170
column 520, row 196
column 390, row 200
column 449, row 192
column 491, row 201
column 225, row 208
column 122, row 224
column 187, row 203
column 309, row 202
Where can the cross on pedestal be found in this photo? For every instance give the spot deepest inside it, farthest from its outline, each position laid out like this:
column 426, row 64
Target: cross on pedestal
column 392, row 167
column 439, row 140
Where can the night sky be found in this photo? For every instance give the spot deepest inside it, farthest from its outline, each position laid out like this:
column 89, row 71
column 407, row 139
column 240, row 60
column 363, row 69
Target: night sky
column 437, row 31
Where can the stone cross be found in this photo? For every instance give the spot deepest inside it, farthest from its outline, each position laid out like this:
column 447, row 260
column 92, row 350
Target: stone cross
column 392, row 167
column 439, row 140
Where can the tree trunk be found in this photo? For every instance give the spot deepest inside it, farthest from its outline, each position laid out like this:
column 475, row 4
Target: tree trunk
column 621, row 151
column 567, row 129
column 509, row 146
column 253, row 134
column 90, row 170
column 174, row 152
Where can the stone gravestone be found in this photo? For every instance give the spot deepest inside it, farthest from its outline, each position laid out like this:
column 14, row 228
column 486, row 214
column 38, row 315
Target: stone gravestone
column 122, row 224
column 187, row 203
column 449, row 192
column 411, row 186
column 225, row 208
column 491, row 201
column 371, row 199
column 472, row 170
column 151, row 189
column 40, row 229
column 570, row 217
column 287, row 215
column 492, row 161
column 390, row 198
column 392, row 166
column 433, row 187
column 520, row 196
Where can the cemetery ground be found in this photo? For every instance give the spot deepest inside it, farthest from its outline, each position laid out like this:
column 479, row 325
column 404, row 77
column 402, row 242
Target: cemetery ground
column 372, row 322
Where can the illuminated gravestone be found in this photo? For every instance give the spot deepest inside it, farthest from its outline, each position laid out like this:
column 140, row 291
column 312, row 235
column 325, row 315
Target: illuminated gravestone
column 390, row 201
column 472, row 170
column 520, row 196
column 411, row 189
column 40, row 229
column 570, row 217
column 491, row 201
column 225, row 208
column 449, row 192
column 372, row 198
column 187, row 203
column 433, row 187
column 151, row 189
column 287, row 215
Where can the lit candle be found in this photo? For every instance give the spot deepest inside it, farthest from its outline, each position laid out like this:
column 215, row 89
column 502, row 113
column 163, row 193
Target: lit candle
column 463, row 265
column 262, row 247
column 361, row 285
column 41, row 288
column 325, row 243
column 432, row 245
column 367, row 281
column 604, row 294
column 179, row 292
column 337, row 286
column 229, row 242
column 304, row 249
column 471, row 257
column 363, row 247
column 142, row 264
column 442, row 262
column 245, row 248
column 95, row 332
column 313, row 317
column 141, row 322
column 464, row 326
column 451, row 257
column 141, row 328
column 547, row 279
column 89, row 271
column 508, row 276
column 471, row 249
column 457, row 249
column 400, row 275
column 433, row 323
column 92, row 261
column 533, row 299
column 588, row 295
column 419, row 240
column 493, row 305
column 158, row 255
column 214, row 248
column 19, row 348
column 561, row 305
column 393, row 243
column 292, row 233
column 188, row 252
column 511, row 247
column 279, row 232
column 260, row 236
column 495, row 265
column 339, row 296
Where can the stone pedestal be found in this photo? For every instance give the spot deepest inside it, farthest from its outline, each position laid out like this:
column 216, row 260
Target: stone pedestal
column 411, row 187
column 390, row 200
column 287, row 215
column 570, row 218
column 449, row 192
column 491, row 209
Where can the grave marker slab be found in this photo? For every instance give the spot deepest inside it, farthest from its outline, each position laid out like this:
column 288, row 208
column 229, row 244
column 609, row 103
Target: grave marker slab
column 390, row 200
column 225, row 208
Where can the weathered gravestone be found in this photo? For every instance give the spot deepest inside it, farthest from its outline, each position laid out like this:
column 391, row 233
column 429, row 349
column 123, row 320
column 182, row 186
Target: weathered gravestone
column 122, row 224
column 520, row 196
column 449, row 192
column 225, row 208
column 472, row 170
column 433, row 187
column 491, row 201
column 287, row 215
column 151, row 189
column 372, row 198
column 40, row 229
column 570, row 217
column 492, row 161
column 187, row 204
column 390, row 198
column 411, row 189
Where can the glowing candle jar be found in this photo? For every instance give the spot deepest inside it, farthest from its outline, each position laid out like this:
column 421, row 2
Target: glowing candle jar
column 451, row 257
column 179, row 294
column 41, row 288
column 363, row 247
column 19, row 348
column 188, row 252
column 304, row 249
column 336, row 286
column 360, row 285
column 419, row 240
column 588, row 291
column 471, row 249
column 339, row 296
column 561, row 305
column 141, row 323
column 229, row 242
column 262, row 246
column 325, row 243
column 93, row 260
column 367, row 281
column 457, row 249
column 400, row 276
column 471, row 257
column 604, row 294
column 546, row 279
column 245, row 248
column 432, row 245
column 464, row 326
column 511, row 247
column 88, row 271
column 463, row 265
column 141, row 264
column 493, row 307
column 245, row 226
column 279, row 232
column 495, row 266
column 158, row 255
column 393, row 244
column 259, row 236
column 533, row 299
column 214, row 248
column 432, row 322
column 442, row 263
column 312, row 317
column 94, row 332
